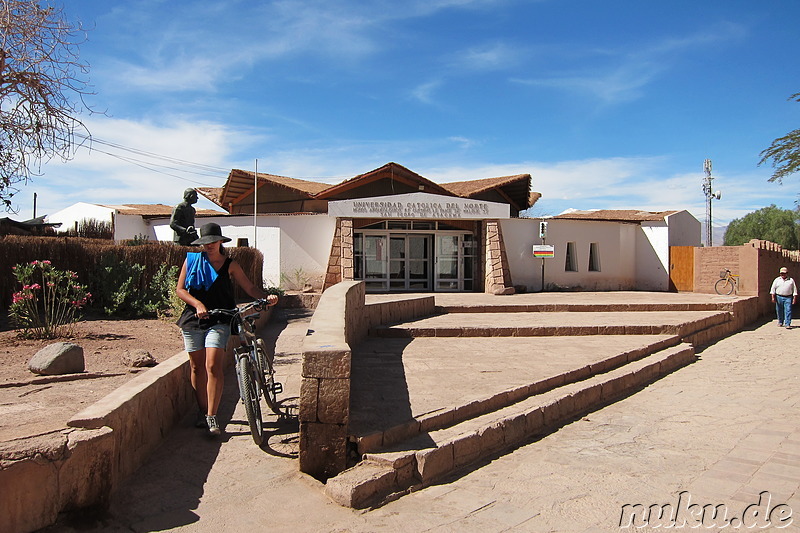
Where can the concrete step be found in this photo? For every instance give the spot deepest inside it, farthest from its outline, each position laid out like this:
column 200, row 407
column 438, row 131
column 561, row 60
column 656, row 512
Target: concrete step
column 431, row 455
column 582, row 307
column 562, row 323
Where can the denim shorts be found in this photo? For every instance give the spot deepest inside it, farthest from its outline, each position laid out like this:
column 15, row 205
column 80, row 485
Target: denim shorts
column 214, row 337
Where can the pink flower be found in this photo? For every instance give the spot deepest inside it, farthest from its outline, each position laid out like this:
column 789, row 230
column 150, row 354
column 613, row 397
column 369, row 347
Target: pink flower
column 36, row 286
column 46, row 262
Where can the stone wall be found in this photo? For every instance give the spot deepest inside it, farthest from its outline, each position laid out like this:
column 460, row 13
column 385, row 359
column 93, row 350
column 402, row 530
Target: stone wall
column 341, row 320
column 79, row 467
column 498, row 275
column 757, row 264
column 340, row 262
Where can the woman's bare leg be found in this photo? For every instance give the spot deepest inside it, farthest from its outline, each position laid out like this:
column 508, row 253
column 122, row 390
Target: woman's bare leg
column 199, row 378
column 216, row 378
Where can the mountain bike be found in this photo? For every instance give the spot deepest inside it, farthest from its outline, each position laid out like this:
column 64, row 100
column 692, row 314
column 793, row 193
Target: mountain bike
column 255, row 371
column 727, row 283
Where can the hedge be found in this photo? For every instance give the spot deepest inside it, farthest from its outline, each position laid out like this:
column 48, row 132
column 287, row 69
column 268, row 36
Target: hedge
column 83, row 255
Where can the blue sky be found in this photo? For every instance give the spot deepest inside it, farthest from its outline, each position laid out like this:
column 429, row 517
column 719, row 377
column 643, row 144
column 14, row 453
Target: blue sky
column 612, row 104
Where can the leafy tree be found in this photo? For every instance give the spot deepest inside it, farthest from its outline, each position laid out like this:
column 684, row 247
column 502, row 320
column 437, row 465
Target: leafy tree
column 784, row 152
column 42, row 87
column 769, row 224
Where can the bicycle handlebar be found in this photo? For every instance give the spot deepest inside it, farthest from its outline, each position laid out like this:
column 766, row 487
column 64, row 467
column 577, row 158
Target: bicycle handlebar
column 256, row 304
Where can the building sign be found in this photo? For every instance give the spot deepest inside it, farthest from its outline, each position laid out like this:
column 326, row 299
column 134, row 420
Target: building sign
column 418, row 205
column 544, row 251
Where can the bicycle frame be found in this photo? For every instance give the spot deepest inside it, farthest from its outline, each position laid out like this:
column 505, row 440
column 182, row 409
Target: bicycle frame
column 727, row 283
column 254, row 368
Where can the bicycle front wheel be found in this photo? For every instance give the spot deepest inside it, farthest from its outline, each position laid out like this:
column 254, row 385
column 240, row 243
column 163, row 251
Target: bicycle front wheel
column 252, row 409
column 270, row 390
column 724, row 286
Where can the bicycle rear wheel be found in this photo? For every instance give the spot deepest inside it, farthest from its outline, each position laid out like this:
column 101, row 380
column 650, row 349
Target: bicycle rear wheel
column 724, row 286
column 252, row 409
column 270, row 388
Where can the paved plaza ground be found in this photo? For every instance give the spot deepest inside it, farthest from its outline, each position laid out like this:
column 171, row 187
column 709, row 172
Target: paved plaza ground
column 722, row 430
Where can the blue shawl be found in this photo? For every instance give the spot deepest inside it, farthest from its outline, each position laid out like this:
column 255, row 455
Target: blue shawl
column 199, row 272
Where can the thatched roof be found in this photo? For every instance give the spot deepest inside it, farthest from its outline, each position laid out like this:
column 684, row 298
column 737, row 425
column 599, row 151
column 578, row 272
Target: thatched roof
column 240, row 186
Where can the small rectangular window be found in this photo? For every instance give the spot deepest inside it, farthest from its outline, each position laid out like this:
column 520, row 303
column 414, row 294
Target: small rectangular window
column 571, row 260
column 594, row 257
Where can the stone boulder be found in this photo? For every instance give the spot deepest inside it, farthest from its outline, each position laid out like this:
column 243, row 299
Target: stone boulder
column 58, row 358
column 138, row 359
column 499, row 290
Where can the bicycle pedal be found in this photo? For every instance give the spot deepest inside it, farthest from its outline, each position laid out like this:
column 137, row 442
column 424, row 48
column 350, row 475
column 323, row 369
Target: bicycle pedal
column 277, row 388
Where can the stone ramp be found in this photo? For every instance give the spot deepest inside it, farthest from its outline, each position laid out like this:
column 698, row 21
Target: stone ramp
column 480, row 430
column 432, row 396
column 404, row 386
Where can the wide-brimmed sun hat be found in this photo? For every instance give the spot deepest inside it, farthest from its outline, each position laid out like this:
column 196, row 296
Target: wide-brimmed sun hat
column 209, row 233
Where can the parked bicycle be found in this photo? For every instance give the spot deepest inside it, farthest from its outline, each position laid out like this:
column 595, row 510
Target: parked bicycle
column 255, row 371
column 728, row 283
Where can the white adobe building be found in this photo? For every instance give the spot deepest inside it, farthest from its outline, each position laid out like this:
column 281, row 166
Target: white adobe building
column 127, row 221
column 400, row 232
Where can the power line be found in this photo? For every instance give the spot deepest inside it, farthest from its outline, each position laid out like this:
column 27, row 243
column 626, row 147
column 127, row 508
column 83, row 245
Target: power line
column 155, row 162
column 199, row 166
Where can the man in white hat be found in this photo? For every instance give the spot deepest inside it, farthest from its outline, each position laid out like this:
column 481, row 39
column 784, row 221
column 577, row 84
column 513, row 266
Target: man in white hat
column 784, row 295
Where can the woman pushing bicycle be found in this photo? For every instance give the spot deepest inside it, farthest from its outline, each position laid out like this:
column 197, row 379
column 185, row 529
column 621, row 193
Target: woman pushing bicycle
column 205, row 283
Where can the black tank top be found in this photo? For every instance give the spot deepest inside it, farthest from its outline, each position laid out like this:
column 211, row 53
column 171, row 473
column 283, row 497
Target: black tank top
column 218, row 296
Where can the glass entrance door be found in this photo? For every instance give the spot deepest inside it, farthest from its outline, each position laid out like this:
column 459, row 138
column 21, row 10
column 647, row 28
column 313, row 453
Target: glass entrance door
column 455, row 262
column 409, row 262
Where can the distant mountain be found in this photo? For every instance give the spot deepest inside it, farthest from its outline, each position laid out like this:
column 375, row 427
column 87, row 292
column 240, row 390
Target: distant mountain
column 717, row 234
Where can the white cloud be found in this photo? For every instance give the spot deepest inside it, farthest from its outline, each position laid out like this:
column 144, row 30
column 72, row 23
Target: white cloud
column 424, row 92
column 623, row 74
column 487, row 57
column 105, row 174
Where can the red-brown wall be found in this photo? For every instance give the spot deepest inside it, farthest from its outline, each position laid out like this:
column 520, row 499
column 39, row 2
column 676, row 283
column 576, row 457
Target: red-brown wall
column 757, row 264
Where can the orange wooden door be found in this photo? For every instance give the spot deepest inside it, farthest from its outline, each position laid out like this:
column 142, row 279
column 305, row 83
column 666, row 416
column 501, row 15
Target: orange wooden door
column 681, row 268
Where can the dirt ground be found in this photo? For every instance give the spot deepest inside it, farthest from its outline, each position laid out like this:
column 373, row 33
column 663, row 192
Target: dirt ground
column 32, row 405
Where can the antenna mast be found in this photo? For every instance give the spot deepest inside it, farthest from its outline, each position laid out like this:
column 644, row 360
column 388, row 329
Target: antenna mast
column 710, row 195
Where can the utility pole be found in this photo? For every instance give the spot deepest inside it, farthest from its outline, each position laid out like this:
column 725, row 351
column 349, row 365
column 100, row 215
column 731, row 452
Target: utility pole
column 710, row 194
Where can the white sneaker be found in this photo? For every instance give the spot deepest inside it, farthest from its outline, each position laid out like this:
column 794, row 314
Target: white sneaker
column 213, row 426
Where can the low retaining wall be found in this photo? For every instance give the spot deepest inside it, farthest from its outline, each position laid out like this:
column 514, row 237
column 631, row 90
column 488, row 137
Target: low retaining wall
column 341, row 320
column 44, row 475
column 80, row 466
column 743, row 312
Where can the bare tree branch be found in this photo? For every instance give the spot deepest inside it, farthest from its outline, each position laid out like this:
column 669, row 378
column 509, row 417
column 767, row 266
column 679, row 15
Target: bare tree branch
column 42, row 85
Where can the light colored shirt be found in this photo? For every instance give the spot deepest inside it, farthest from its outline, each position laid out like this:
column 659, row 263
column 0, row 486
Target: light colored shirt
column 783, row 287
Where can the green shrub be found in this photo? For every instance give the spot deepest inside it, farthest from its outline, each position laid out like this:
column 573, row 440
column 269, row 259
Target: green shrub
column 138, row 240
column 119, row 291
column 164, row 298
column 124, row 290
column 275, row 290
